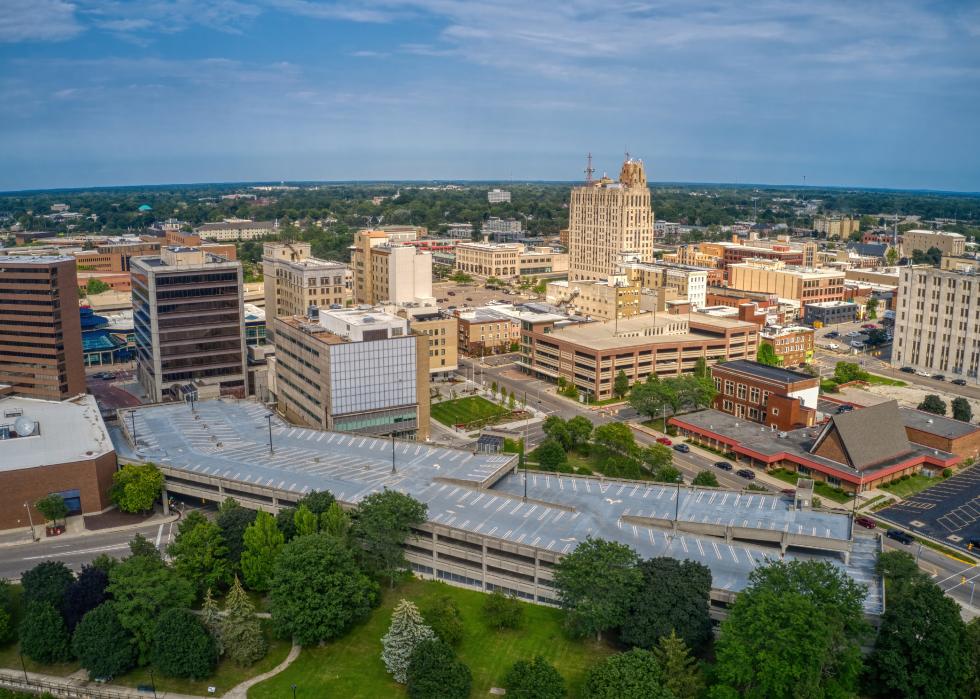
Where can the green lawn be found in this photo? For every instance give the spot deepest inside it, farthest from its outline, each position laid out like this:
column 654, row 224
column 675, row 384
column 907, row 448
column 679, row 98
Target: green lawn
column 351, row 667
column 819, row 489
column 466, row 410
column 877, row 380
column 912, row 485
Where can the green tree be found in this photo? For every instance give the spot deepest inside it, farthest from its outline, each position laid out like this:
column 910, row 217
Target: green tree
column 52, row 507
column 139, row 545
column 556, row 429
column 972, row 643
column 849, row 371
column 434, row 672
column 621, row 384
column 579, row 431
column 406, row 631
column 142, row 589
column 336, row 522
column 200, row 555
column 651, row 397
column 48, row 581
column 316, row 501
column 694, row 392
column 766, row 354
column 933, row 404
column 595, row 584
column 102, row 645
column 658, row 457
column 682, row 676
column 535, row 679
column 96, row 286
column 43, row 636
column 7, row 632
column 233, row 520
column 240, row 629
column 502, row 611
column 182, row 647
column 85, row 594
column 871, row 309
column 263, row 541
column 381, row 525
column 211, row 618
column 891, row 256
column 705, row 478
column 135, row 487
column 701, row 369
column 616, row 438
column 550, row 454
column 443, row 617
column 961, row 409
column 795, row 631
column 673, row 596
column 898, row 570
column 306, row 521
column 635, row 674
column 318, row 590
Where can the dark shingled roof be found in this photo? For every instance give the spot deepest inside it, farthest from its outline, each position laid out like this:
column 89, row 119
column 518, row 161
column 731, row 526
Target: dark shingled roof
column 765, row 371
column 871, row 435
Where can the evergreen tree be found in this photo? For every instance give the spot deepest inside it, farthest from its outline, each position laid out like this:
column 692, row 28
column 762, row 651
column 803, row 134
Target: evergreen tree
column 212, row 620
column 182, row 647
column 961, row 409
column 434, row 672
column 102, row 645
column 263, row 541
column 305, row 521
column 240, row 629
column 682, row 676
column 43, row 636
column 407, row 630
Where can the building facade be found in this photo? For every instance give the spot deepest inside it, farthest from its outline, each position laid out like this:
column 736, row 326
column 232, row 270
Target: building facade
column 829, row 313
column 606, row 219
column 498, row 196
column 937, row 323
column 237, row 229
column 189, row 325
column 353, row 371
column 601, row 299
column 949, row 244
column 793, row 283
column 772, row 396
column 294, row 280
column 385, row 271
column 792, row 344
column 689, row 283
column 40, row 329
column 836, row 226
column 441, row 331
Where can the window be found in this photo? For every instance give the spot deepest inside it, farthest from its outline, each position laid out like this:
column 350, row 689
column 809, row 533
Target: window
column 775, row 411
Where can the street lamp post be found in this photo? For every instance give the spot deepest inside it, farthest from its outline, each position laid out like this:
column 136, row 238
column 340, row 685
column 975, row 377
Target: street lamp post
column 677, row 500
column 269, row 418
column 153, row 684
column 294, row 690
column 23, row 666
column 30, row 518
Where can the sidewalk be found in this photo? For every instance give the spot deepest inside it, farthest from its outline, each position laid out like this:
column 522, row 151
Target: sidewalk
column 75, row 530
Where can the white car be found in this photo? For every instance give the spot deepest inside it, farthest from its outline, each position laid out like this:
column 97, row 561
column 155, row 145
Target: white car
column 853, row 333
column 857, row 344
column 832, row 346
column 923, row 373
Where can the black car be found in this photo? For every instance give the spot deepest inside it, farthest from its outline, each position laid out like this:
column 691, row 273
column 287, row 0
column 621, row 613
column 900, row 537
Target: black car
column 845, row 409
column 958, row 382
column 723, row 465
column 832, row 335
column 900, row 536
column 682, row 448
column 907, row 370
column 939, row 377
column 746, row 474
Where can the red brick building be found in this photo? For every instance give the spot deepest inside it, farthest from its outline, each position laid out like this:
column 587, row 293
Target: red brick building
column 775, row 397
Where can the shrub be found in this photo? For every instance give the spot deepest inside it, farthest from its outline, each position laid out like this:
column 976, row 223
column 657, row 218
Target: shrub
column 182, row 647
column 435, row 673
column 102, row 645
column 502, row 611
column 43, row 636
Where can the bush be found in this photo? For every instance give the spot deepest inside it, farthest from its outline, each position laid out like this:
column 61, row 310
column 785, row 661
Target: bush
column 443, row 617
column 47, row 582
column 182, row 647
column 435, row 673
column 537, row 679
column 502, row 611
column 947, row 472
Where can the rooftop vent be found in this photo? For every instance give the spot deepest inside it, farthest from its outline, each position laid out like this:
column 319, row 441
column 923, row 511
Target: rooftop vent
column 13, row 413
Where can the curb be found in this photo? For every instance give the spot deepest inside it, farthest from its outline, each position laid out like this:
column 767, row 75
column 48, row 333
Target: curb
column 80, row 535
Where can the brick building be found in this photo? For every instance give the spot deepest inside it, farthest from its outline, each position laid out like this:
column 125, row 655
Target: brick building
column 771, row 396
column 792, row 344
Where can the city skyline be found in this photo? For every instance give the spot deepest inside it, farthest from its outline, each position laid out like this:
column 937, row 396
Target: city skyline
column 99, row 93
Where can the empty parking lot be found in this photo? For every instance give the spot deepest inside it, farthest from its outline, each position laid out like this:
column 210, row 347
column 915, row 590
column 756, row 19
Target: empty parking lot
column 949, row 510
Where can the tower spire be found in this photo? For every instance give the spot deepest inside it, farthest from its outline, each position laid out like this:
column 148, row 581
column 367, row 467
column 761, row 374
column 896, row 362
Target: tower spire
column 589, row 170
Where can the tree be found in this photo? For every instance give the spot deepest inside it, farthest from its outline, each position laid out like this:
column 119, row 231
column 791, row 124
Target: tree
column 845, row 372
column 658, row 457
column 139, row 545
column 336, row 522
column 443, row 617
column 142, row 589
column 233, row 520
column 306, row 521
column 502, row 611
column 381, row 525
column 52, row 507
column 135, row 487
column 550, row 454
column 85, row 594
column 651, row 397
column 102, row 645
column 635, row 674
column 871, row 309
column 182, row 647
column 435, row 673
column 706, row 478
column 200, row 555
column 263, row 541
column 682, row 676
column 921, row 646
column 694, row 392
column 595, row 584
column 318, row 589
column 621, row 384
column 615, row 437
column 407, row 630
column 891, row 256
column 211, row 618
column 876, row 336
column 7, row 631
column 555, row 428
column 579, row 431
column 961, row 409
column 766, row 354
column 96, row 286
column 240, row 629
column 537, row 679
column 43, row 636
column 898, row 569
column 47, row 582
column 701, row 369
column 673, row 596
column 933, row 404
column 972, row 643
column 795, row 631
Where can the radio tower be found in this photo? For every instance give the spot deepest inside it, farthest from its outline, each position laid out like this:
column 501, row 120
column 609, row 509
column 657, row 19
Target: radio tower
column 589, row 169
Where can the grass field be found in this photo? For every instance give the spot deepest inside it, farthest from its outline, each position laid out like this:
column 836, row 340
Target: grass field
column 466, row 410
column 877, row 380
column 351, row 667
column 912, row 485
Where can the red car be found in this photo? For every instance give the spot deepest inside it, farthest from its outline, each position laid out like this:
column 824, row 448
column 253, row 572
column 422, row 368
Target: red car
column 663, row 440
column 865, row 522
column 869, row 326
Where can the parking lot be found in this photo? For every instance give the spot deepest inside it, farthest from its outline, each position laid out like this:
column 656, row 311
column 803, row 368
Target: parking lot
column 462, row 295
column 949, row 511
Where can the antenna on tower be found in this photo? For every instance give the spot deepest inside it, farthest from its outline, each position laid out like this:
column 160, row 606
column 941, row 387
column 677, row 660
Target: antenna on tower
column 589, row 170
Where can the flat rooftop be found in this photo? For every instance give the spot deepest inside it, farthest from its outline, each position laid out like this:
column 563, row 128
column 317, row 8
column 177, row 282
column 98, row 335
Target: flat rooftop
column 478, row 493
column 68, row 431
column 765, row 371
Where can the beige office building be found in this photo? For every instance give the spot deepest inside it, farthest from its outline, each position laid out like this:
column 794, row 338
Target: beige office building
column 294, row 281
column 388, row 272
column 937, row 322
column 950, row 244
column 692, row 255
column 687, row 282
column 607, row 218
column 836, row 226
column 596, row 298
column 441, row 331
column 507, row 260
column 790, row 283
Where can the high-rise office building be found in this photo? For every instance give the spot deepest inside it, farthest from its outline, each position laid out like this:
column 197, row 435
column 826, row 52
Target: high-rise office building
column 385, row 272
column 294, row 281
column 188, row 322
column 607, row 218
column 40, row 327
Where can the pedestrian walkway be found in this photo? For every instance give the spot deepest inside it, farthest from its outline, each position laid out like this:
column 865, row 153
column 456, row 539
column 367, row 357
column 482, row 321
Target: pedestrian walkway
column 241, row 691
column 75, row 529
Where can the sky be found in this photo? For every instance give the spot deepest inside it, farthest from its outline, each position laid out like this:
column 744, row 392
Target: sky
column 121, row 92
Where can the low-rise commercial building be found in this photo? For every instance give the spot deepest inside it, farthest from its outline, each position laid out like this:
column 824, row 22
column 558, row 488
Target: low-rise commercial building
column 508, row 260
column 777, row 398
column 803, row 285
column 949, row 244
column 690, row 283
column 829, row 313
column 237, row 229
column 792, row 344
column 600, row 299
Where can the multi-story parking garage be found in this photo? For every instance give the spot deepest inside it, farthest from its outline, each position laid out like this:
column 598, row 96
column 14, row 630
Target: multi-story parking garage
column 483, row 531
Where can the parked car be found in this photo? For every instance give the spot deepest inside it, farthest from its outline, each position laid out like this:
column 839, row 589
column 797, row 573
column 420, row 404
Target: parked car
column 900, row 536
column 866, row 522
column 723, row 465
column 844, row 409
column 958, row 382
column 833, row 334
column 682, row 448
column 939, row 377
column 922, row 373
column 857, row 344
column 853, row 333
column 664, row 441
column 832, row 345
column 869, row 326
column 746, row 474
column 907, row 370
column 791, row 492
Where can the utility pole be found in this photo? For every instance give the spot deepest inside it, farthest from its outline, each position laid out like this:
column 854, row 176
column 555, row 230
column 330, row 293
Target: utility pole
column 392, row 452
column 132, row 414
column 30, row 519
column 269, row 418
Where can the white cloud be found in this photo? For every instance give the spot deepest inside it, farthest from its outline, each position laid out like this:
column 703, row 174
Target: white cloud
column 37, row 20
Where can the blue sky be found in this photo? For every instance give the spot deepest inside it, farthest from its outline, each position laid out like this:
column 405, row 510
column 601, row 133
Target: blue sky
column 104, row 92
